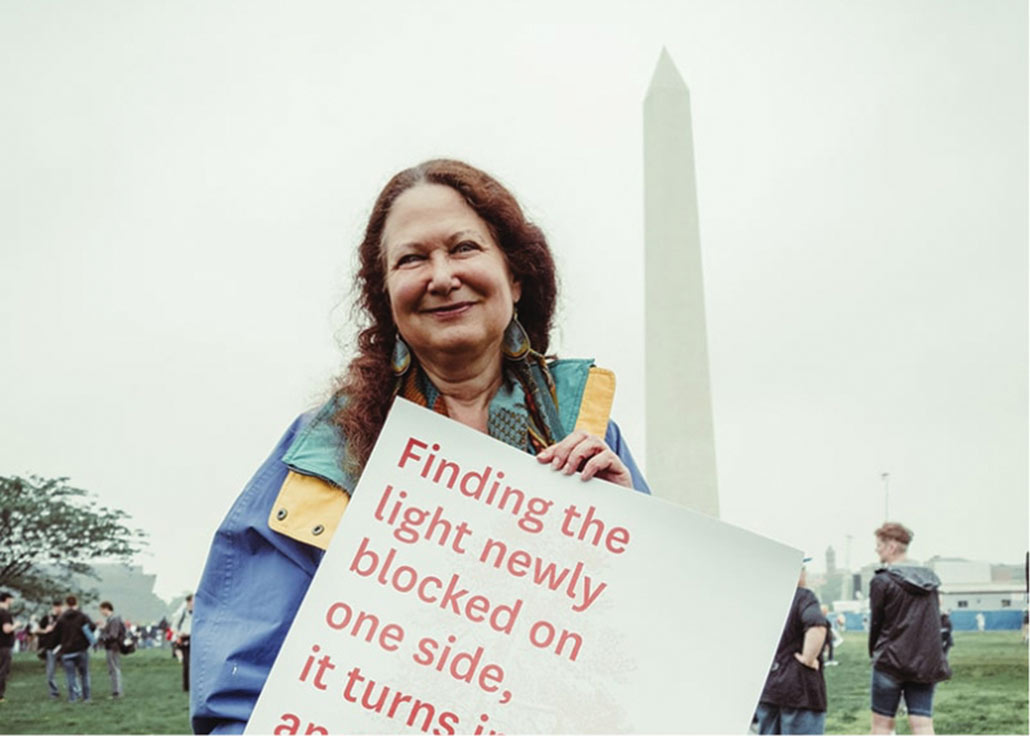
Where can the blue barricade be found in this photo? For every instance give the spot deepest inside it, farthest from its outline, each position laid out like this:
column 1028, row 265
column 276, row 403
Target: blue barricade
column 962, row 619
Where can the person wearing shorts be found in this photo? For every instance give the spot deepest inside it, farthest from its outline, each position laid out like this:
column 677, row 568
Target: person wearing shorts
column 887, row 693
column 904, row 635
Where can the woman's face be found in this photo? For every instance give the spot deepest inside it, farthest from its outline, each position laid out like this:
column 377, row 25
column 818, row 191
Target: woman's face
column 451, row 292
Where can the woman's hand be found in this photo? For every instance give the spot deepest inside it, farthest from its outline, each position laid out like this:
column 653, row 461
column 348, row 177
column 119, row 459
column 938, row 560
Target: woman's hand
column 588, row 454
column 811, row 664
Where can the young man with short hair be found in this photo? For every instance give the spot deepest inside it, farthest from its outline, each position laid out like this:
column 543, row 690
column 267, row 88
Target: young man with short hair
column 904, row 635
column 71, row 632
column 111, row 635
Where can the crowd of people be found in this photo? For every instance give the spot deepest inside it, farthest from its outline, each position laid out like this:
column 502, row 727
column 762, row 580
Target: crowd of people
column 66, row 635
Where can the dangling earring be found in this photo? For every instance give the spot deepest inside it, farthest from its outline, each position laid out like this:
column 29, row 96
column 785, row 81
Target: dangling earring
column 400, row 360
column 516, row 341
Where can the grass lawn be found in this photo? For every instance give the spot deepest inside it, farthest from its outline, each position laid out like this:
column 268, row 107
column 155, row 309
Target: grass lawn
column 988, row 693
column 154, row 701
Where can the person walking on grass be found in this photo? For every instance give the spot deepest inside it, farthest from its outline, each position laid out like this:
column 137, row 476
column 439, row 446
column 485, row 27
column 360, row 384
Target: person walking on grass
column 111, row 635
column 904, row 635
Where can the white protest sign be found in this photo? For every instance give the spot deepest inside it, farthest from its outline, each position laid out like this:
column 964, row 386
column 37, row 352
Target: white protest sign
column 470, row 589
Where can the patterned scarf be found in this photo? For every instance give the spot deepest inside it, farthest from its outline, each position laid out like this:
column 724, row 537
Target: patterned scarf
column 523, row 413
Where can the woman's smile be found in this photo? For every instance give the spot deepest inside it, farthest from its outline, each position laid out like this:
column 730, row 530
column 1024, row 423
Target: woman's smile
column 449, row 311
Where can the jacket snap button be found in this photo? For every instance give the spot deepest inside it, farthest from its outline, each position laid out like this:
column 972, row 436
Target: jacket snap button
column 280, row 514
column 318, row 530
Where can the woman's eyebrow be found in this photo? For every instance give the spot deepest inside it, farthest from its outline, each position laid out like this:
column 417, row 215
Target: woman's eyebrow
column 404, row 246
column 454, row 237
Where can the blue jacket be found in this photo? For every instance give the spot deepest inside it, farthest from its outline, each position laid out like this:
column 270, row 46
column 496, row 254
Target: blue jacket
column 268, row 547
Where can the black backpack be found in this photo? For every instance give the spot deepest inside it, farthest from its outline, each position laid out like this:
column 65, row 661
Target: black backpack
column 126, row 644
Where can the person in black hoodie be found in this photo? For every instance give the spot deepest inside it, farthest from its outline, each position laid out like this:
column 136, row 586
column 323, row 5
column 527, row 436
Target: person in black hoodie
column 904, row 635
column 73, row 632
column 48, row 642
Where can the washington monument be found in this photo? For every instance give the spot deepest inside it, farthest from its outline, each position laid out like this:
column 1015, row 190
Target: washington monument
column 680, row 440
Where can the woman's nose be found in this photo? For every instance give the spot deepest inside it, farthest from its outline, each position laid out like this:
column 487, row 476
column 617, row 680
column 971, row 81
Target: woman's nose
column 442, row 276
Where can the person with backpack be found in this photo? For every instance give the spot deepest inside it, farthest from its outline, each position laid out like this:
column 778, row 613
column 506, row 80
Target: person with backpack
column 111, row 636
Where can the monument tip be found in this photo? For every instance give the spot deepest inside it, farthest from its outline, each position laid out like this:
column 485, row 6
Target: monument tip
column 666, row 75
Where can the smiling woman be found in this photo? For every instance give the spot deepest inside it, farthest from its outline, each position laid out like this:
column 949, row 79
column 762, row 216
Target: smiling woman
column 451, row 292
column 458, row 292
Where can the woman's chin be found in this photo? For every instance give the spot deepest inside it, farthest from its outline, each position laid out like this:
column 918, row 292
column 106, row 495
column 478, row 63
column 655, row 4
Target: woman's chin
column 450, row 347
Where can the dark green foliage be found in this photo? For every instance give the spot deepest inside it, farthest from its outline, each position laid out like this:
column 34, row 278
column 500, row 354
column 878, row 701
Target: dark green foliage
column 52, row 531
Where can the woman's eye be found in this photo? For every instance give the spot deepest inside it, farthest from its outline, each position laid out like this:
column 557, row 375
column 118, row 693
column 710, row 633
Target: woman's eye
column 466, row 246
column 408, row 259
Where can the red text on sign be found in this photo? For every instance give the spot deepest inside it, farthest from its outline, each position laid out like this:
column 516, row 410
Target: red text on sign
column 461, row 666
column 449, row 596
column 339, row 617
column 376, row 697
column 411, row 518
column 289, row 725
column 615, row 541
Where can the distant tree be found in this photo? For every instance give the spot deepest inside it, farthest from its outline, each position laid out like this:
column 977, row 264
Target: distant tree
column 50, row 531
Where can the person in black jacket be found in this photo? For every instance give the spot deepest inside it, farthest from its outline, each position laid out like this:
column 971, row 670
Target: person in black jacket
column 7, row 628
column 794, row 697
column 73, row 631
column 904, row 635
column 48, row 642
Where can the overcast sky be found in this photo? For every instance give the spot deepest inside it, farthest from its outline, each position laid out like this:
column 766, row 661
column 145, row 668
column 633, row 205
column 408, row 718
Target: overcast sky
column 182, row 187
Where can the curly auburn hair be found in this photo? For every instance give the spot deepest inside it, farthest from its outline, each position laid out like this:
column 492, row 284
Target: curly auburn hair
column 368, row 383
